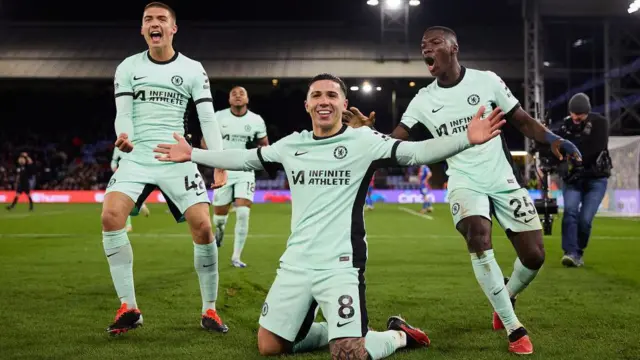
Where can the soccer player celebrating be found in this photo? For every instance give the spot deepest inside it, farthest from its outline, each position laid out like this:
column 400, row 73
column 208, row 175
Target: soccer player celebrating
column 482, row 181
column 240, row 128
column 115, row 160
column 324, row 262
column 152, row 89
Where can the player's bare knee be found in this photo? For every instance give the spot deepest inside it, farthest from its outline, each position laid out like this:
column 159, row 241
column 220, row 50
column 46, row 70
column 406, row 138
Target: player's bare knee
column 243, row 202
column 112, row 219
column 478, row 240
column 269, row 344
column 477, row 233
column 534, row 259
column 202, row 231
column 221, row 210
column 348, row 349
column 530, row 248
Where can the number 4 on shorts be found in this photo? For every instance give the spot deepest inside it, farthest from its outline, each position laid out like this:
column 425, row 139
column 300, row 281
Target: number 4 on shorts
column 192, row 185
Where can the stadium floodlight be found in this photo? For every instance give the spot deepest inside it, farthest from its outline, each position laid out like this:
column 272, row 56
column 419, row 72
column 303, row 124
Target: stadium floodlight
column 354, row 88
column 414, row 2
column 379, row 88
column 393, row 4
column 634, row 6
column 372, row 2
column 366, row 87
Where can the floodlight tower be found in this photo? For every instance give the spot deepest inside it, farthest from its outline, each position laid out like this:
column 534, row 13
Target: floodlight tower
column 394, row 36
column 394, row 23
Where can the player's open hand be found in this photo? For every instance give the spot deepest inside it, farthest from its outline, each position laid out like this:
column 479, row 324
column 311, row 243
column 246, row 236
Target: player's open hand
column 354, row 118
column 219, row 178
column 568, row 148
column 179, row 152
column 123, row 143
column 481, row 130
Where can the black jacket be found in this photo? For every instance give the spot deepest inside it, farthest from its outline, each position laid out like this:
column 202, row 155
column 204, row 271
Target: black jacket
column 592, row 138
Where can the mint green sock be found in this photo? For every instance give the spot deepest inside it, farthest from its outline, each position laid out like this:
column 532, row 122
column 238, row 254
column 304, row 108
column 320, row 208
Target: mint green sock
column 205, row 260
column 317, row 337
column 241, row 231
column 491, row 281
column 379, row 345
column 520, row 278
column 120, row 257
column 219, row 221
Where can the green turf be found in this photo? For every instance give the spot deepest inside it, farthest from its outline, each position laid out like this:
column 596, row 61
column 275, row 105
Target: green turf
column 57, row 297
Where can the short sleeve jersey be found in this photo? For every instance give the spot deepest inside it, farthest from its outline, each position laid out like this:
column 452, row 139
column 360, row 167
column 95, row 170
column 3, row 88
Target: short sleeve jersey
column 161, row 92
column 329, row 178
column 447, row 111
column 237, row 131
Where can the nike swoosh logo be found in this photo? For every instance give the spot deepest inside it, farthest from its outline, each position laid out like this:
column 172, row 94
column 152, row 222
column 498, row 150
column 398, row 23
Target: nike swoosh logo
column 298, row 153
column 139, row 78
column 110, row 255
column 200, row 193
column 341, row 325
column 208, row 265
column 526, row 221
column 436, row 110
column 498, row 292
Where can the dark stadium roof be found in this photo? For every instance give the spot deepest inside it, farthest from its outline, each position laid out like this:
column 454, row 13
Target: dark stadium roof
column 244, row 50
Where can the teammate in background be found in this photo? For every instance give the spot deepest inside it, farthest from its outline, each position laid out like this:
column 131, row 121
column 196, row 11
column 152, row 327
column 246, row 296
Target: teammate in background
column 369, row 200
column 425, row 176
column 115, row 160
column 482, row 177
column 23, row 173
column 240, row 129
column 152, row 90
column 328, row 170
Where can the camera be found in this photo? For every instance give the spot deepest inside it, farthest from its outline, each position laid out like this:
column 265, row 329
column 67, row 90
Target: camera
column 546, row 206
column 548, row 163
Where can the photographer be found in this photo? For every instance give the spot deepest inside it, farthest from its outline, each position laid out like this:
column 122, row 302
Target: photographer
column 584, row 183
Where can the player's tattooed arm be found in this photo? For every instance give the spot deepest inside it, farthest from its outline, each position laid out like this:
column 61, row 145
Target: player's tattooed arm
column 348, row 349
column 533, row 129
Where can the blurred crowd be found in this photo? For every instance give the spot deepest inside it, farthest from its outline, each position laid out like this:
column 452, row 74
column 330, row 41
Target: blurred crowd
column 58, row 165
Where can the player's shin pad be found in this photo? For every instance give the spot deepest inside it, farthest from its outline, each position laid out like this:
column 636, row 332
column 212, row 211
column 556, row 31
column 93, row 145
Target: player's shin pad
column 491, row 280
column 205, row 258
column 120, row 257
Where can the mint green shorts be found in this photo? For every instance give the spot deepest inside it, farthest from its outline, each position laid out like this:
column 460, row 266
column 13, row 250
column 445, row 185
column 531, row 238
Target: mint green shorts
column 241, row 189
column 296, row 294
column 180, row 183
column 513, row 209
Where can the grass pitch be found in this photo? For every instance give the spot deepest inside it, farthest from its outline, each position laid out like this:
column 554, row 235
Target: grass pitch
column 57, row 297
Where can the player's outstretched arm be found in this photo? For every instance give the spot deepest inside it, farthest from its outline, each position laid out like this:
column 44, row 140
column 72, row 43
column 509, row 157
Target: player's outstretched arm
column 231, row 159
column 533, row 129
column 430, row 151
